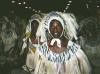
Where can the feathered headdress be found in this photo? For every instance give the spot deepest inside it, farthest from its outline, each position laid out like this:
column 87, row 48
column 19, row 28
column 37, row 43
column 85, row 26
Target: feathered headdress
column 67, row 20
column 38, row 18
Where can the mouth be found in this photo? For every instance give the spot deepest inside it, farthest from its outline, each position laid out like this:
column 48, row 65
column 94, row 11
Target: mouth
column 55, row 33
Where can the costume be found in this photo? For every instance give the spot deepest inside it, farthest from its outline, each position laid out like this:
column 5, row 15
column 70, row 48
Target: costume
column 72, row 60
column 29, row 66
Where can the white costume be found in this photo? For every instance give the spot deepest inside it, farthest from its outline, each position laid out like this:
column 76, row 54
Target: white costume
column 72, row 60
column 31, row 47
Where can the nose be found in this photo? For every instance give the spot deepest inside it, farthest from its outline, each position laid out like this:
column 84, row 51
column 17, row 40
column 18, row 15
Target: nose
column 55, row 30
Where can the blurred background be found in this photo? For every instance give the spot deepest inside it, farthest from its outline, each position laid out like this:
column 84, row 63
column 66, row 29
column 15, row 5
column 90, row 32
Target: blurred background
column 25, row 8
column 87, row 13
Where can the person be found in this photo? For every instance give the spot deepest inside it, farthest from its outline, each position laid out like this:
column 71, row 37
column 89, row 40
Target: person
column 56, row 53
column 89, row 38
column 30, row 41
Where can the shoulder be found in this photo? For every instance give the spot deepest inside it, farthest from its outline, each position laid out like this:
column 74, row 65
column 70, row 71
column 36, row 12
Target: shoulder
column 73, row 44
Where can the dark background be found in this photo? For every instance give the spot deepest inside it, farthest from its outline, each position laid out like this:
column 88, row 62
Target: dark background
column 77, row 6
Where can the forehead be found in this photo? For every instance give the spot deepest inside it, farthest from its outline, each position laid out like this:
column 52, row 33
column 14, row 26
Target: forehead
column 34, row 23
column 55, row 22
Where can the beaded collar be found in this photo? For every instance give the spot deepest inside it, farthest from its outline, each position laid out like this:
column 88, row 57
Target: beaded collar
column 59, row 57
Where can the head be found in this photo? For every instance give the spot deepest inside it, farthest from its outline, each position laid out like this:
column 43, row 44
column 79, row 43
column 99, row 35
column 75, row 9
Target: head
column 34, row 22
column 8, row 33
column 56, row 25
column 89, row 30
column 55, row 28
column 34, row 26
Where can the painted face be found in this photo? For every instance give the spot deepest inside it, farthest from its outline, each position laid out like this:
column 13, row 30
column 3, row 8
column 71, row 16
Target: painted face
column 34, row 26
column 55, row 28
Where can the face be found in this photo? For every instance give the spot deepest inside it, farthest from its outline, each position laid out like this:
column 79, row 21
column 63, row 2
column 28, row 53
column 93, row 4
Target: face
column 56, row 28
column 8, row 33
column 34, row 26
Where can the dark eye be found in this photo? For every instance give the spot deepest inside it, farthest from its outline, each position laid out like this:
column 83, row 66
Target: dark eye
column 52, row 28
column 58, row 27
